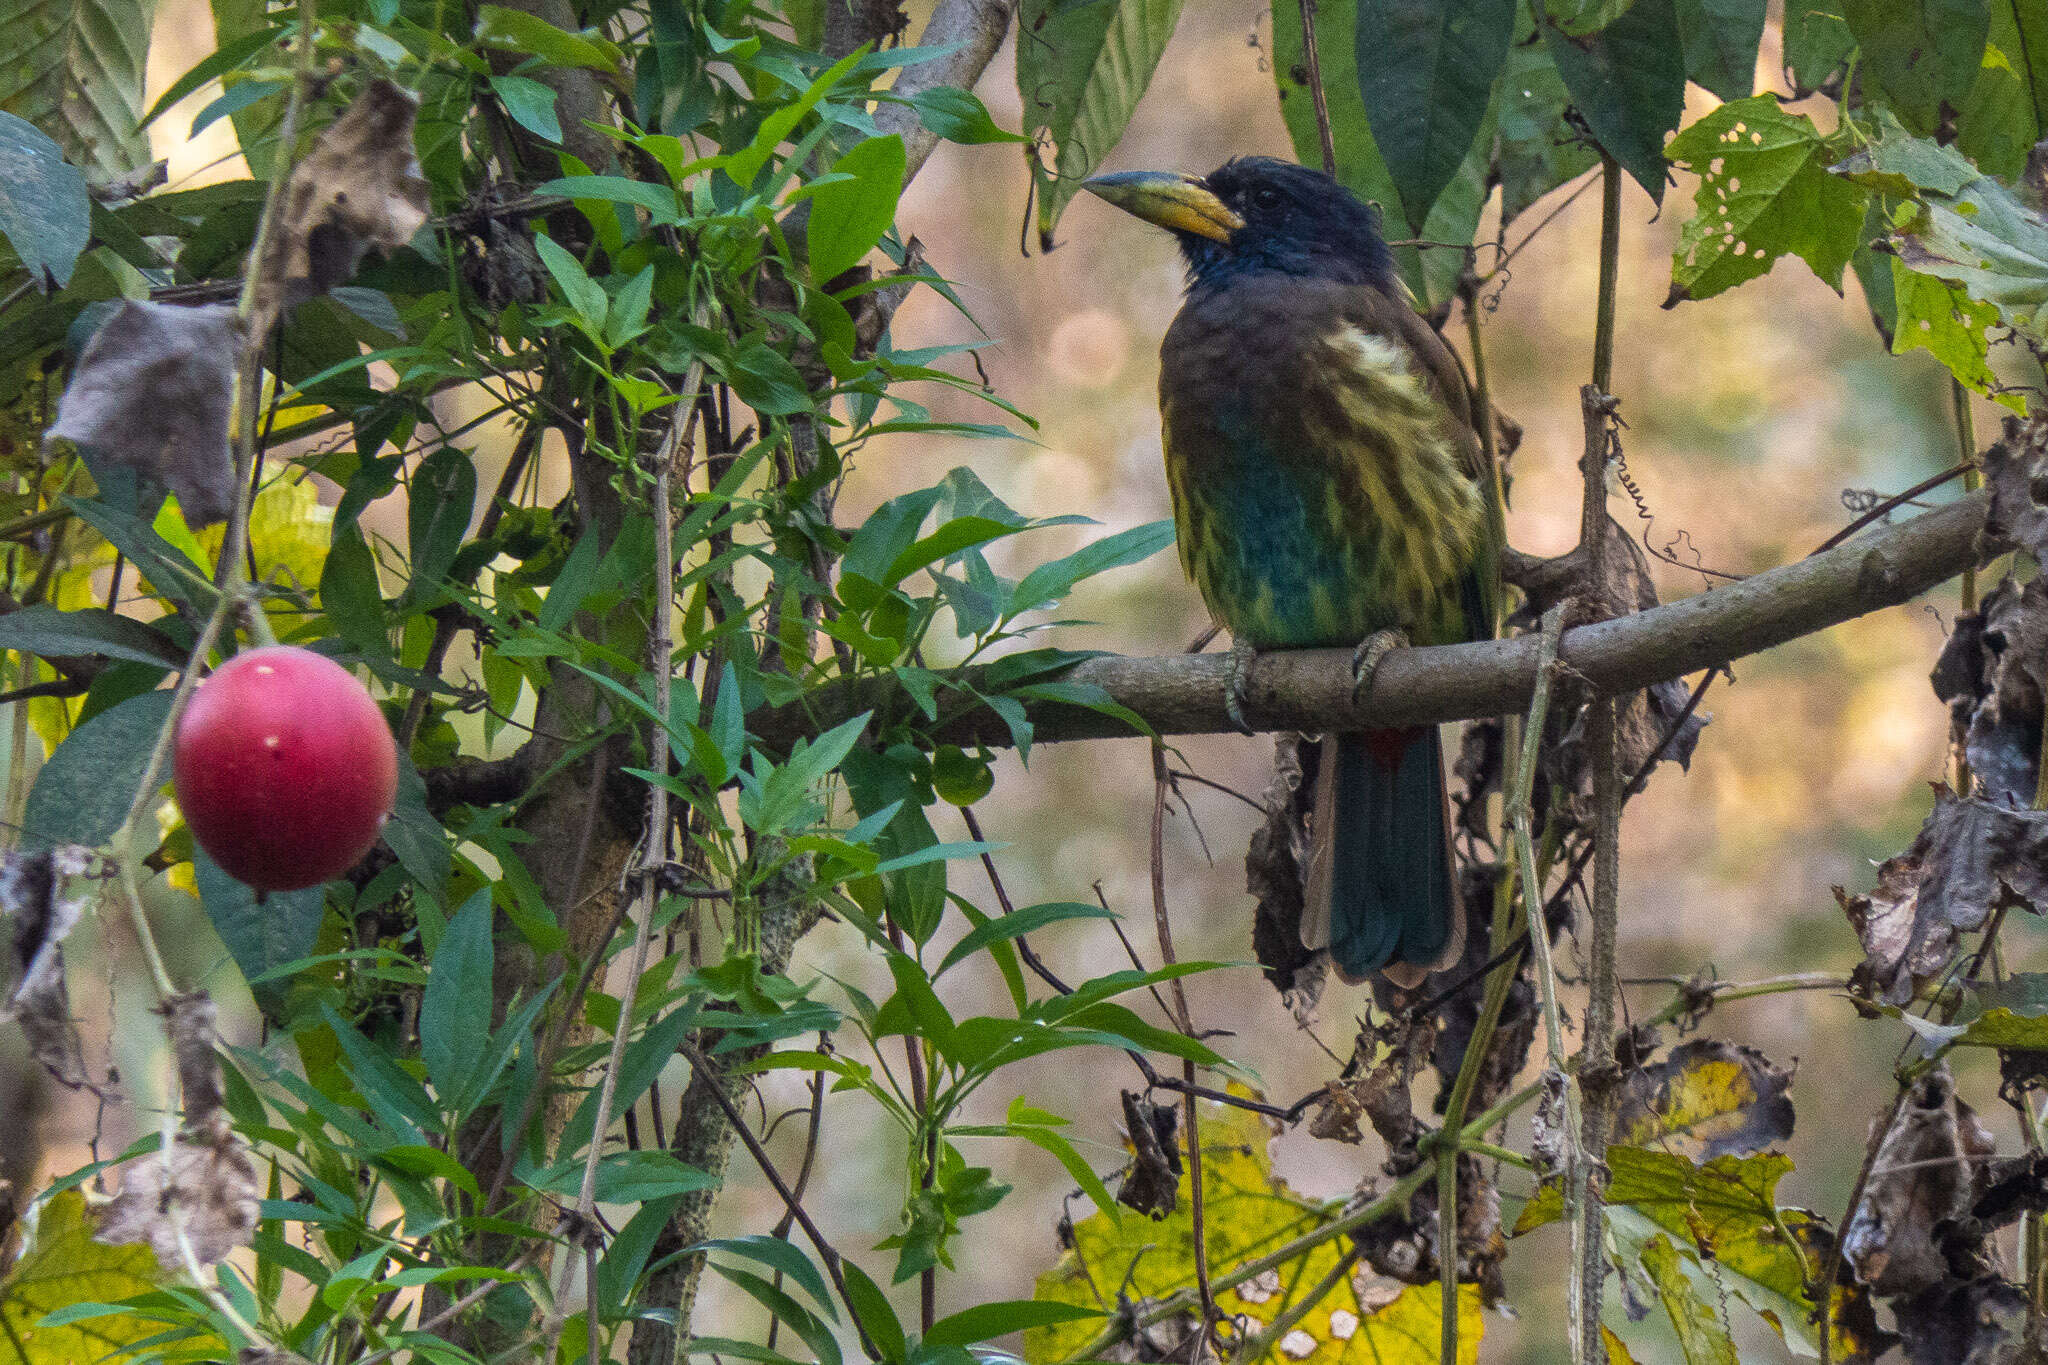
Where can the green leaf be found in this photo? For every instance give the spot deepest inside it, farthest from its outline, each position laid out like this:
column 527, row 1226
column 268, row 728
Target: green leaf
column 849, row 216
column 2020, row 28
column 765, row 380
column 1997, row 128
column 350, row 593
column 658, row 200
column 1628, row 81
column 871, row 1306
column 455, row 1009
column 262, row 933
column 1027, row 919
column 49, row 633
column 747, row 163
column 1050, row 582
column 76, row 69
column 1922, row 55
column 83, row 790
column 1082, row 66
column 584, row 294
column 437, row 515
column 1948, row 324
column 986, row 1320
column 1764, row 192
column 1701, row 1323
column 1817, row 42
column 518, row 31
column 781, row 1256
column 1582, row 17
column 45, row 213
column 959, row 116
column 531, row 105
column 1721, row 40
column 800, row 1319
column 1425, row 71
column 1993, row 246
column 228, row 57
column 1537, row 151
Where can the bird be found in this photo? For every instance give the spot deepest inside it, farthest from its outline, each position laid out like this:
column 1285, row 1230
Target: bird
column 1329, row 488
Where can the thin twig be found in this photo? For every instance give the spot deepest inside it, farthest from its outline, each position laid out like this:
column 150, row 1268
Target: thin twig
column 1191, row 1117
column 788, row 1196
column 1314, row 62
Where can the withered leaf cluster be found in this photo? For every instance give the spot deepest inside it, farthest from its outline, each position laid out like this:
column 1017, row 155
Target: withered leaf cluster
column 154, row 389
column 1916, row 1241
column 1971, row 858
column 202, row 1192
column 153, row 393
column 36, row 914
column 360, row 187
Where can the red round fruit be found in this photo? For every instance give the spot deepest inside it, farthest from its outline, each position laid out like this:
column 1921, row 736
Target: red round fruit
column 285, row 768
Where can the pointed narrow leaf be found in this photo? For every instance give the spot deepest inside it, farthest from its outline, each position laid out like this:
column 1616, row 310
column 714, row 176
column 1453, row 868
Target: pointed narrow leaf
column 1082, row 69
column 1425, row 69
column 1628, row 81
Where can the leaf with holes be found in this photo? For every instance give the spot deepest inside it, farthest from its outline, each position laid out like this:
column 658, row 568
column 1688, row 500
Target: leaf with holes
column 1368, row 1318
column 1765, row 192
column 1948, row 324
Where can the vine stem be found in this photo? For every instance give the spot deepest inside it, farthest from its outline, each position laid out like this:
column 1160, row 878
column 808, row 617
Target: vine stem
column 653, row 855
column 1596, row 1055
column 1450, row 1142
column 1190, row 1115
column 234, row 548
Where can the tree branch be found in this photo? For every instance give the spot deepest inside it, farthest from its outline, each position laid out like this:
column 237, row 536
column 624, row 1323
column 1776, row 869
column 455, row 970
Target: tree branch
column 1310, row 689
column 974, row 29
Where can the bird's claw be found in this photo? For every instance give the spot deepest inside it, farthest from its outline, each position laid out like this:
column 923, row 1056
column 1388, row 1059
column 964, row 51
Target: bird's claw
column 1365, row 660
column 1242, row 656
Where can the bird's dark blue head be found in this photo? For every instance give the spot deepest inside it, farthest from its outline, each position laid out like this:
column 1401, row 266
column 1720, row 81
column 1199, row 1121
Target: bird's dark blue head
column 1256, row 214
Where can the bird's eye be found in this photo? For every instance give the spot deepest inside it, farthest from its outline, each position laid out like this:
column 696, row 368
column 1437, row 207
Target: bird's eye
column 1266, row 197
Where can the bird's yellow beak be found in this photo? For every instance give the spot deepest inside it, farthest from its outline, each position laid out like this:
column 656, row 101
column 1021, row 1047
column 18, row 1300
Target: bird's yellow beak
column 1178, row 203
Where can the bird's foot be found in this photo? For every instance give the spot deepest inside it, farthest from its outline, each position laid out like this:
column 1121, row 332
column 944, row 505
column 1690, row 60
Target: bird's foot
column 1365, row 660
column 1242, row 656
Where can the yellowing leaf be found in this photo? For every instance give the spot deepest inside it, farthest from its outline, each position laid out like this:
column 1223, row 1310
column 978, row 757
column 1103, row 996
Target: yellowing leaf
column 1764, row 192
column 1248, row 1213
column 1707, row 1098
column 61, row 1266
column 1702, row 1328
column 1725, row 1215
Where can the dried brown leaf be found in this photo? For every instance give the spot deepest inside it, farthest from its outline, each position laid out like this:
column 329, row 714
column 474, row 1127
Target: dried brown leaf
column 1274, row 869
column 360, row 187
column 1152, row 1185
column 202, row 1192
column 1991, row 674
column 1970, row 858
column 2016, row 470
column 153, row 393
column 1928, row 1171
column 36, row 915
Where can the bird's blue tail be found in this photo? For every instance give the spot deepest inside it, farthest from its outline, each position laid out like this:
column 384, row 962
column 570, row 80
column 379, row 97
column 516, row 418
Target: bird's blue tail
column 1381, row 893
